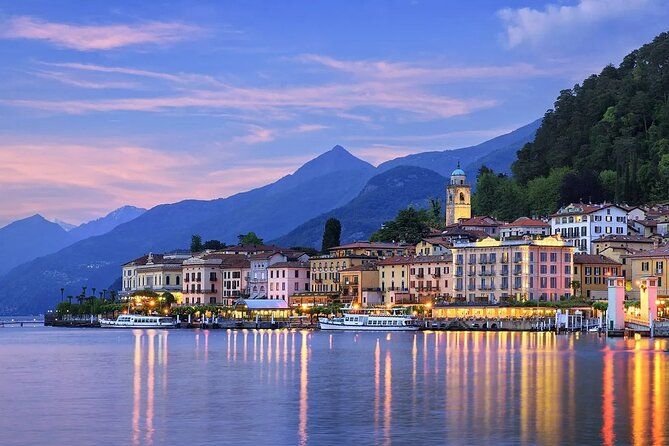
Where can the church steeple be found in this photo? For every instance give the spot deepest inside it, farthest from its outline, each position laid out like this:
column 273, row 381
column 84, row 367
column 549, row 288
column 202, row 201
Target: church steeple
column 458, row 197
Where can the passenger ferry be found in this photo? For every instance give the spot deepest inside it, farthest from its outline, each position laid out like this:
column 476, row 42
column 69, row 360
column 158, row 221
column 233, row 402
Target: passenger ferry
column 138, row 321
column 370, row 320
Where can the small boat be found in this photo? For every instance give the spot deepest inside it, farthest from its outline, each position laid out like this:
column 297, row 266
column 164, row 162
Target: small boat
column 138, row 321
column 370, row 320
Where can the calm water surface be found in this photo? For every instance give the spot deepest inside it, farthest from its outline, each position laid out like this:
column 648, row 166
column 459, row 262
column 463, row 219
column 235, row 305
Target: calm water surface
column 150, row 387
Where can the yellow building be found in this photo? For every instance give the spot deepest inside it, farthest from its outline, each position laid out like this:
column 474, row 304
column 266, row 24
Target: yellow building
column 432, row 246
column 458, row 197
column 654, row 262
column 394, row 279
column 591, row 271
column 325, row 270
column 619, row 247
column 360, row 285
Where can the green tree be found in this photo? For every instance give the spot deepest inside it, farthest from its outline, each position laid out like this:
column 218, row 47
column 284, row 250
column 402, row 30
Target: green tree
column 250, row 238
column 214, row 245
column 308, row 250
column 331, row 234
column 196, row 243
column 409, row 226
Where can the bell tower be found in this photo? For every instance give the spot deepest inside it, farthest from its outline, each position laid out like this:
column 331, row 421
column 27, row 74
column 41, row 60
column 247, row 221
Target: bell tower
column 458, row 197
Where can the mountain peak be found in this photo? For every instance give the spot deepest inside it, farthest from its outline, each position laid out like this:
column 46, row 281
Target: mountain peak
column 337, row 159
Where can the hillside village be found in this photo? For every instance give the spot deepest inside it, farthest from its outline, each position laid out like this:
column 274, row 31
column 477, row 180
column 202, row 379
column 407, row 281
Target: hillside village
column 474, row 260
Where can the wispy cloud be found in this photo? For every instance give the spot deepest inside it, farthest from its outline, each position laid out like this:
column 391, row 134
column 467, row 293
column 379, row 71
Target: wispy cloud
column 530, row 25
column 77, row 81
column 256, row 134
column 306, row 128
column 382, row 70
column 342, row 97
column 96, row 37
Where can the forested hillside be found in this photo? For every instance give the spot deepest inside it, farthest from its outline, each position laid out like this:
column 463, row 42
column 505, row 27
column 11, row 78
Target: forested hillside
column 606, row 139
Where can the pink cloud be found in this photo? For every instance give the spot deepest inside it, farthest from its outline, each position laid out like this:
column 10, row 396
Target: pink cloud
column 255, row 135
column 77, row 182
column 96, row 37
column 337, row 97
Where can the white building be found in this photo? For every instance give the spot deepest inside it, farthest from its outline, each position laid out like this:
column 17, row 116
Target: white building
column 524, row 226
column 581, row 223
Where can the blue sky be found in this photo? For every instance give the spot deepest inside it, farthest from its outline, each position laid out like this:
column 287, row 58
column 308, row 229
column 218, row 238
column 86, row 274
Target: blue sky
column 110, row 103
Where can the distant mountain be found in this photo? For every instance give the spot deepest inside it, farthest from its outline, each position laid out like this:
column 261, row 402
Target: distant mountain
column 29, row 238
column 65, row 225
column 383, row 196
column 497, row 153
column 329, row 181
column 105, row 224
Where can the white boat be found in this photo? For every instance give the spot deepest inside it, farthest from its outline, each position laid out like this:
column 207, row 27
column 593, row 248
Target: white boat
column 370, row 320
column 138, row 321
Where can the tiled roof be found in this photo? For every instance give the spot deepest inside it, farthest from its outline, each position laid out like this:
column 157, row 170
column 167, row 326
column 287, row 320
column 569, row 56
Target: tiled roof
column 482, row 220
column 623, row 238
column 526, row 222
column 396, row 260
column 157, row 259
column 370, row 245
column 582, row 208
column 660, row 251
column 580, row 259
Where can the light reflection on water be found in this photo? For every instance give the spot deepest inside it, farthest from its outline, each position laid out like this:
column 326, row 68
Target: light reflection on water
column 146, row 387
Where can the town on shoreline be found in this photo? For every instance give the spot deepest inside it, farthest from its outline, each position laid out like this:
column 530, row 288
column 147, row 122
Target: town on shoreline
column 474, row 273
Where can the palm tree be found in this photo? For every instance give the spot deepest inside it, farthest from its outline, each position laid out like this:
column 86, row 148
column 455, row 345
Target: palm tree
column 62, row 291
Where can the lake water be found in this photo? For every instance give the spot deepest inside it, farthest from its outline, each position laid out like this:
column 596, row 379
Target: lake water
column 150, row 387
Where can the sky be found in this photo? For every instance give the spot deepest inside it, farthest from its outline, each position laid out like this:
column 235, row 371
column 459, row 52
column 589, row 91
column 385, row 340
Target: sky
column 104, row 104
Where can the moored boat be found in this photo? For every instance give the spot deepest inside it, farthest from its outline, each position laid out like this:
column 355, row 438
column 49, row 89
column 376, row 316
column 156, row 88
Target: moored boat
column 138, row 321
column 370, row 320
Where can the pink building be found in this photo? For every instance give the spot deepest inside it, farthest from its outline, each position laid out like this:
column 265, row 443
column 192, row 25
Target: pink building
column 287, row 278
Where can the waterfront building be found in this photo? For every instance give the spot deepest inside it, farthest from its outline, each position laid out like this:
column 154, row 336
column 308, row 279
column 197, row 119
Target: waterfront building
column 394, row 279
column 492, row 270
column 430, row 278
column 524, row 226
column 619, row 247
column 458, row 198
column 155, row 272
column 653, row 262
column 580, row 223
column 359, row 284
column 287, row 278
column 214, row 278
column 326, row 269
column 591, row 273
column 257, row 281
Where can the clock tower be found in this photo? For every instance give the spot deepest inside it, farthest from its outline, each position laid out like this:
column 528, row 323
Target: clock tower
column 458, row 197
